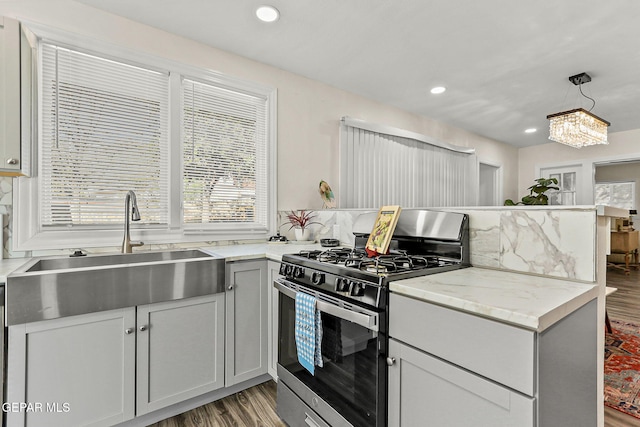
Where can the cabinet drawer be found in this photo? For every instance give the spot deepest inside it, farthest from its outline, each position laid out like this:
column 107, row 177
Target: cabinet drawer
column 503, row 353
column 422, row 387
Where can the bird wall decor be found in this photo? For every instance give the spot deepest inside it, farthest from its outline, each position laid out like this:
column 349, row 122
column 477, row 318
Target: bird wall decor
column 328, row 200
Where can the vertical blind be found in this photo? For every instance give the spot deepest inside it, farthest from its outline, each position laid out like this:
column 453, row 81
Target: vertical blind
column 379, row 168
column 224, row 149
column 104, row 132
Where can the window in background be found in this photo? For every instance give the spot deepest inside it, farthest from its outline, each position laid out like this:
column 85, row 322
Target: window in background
column 616, row 194
column 224, row 155
column 381, row 165
column 104, row 131
column 566, row 195
column 195, row 146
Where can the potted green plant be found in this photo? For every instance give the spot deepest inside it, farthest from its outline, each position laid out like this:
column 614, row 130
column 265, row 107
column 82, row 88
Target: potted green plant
column 300, row 221
column 537, row 192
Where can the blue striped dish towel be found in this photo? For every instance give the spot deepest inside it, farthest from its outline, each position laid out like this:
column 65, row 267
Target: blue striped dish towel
column 308, row 332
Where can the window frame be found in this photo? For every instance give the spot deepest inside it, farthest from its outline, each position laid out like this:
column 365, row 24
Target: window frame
column 27, row 233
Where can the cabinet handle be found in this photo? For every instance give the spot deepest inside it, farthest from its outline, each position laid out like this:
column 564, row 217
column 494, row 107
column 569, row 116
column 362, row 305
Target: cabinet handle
column 12, row 161
column 128, row 331
column 391, row 361
column 143, row 328
column 230, row 287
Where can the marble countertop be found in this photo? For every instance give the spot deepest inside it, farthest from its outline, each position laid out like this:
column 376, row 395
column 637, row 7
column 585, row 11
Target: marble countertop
column 272, row 251
column 529, row 301
column 8, row 265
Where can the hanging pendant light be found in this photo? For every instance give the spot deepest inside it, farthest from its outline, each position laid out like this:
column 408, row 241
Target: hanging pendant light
column 579, row 127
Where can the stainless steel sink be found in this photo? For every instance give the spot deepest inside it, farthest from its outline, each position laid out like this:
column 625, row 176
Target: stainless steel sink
column 47, row 264
column 48, row 288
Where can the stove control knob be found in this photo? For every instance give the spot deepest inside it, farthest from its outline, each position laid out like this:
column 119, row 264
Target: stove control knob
column 283, row 269
column 357, row 289
column 317, row 278
column 342, row 285
column 298, row 272
column 289, row 271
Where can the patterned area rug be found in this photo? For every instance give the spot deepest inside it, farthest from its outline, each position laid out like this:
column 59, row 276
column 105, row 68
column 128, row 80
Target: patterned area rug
column 622, row 368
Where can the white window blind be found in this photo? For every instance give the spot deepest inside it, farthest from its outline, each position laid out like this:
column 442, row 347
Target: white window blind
column 224, row 143
column 386, row 166
column 104, row 131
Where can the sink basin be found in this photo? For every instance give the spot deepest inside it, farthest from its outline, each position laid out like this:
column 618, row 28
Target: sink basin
column 49, row 288
column 47, row 264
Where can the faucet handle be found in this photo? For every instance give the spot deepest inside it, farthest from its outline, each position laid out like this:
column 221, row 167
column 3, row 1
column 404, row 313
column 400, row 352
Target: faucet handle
column 136, row 243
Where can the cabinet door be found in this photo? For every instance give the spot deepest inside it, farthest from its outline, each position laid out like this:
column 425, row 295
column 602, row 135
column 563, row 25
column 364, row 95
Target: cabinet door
column 180, row 350
column 426, row 391
column 76, row 371
column 246, row 328
column 274, row 268
column 9, row 96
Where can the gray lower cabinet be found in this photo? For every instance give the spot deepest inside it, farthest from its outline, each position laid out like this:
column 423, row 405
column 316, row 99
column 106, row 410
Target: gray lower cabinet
column 180, row 351
column 104, row 368
column 457, row 369
column 426, row 391
column 74, row 371
column 274, row 273
column 247, row 321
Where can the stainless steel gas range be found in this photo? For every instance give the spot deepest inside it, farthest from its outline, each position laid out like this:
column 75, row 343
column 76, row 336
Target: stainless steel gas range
column 351, row 291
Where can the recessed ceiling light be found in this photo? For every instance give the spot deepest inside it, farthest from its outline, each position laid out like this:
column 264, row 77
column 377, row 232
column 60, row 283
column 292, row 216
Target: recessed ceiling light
column 530, row 130
column 438, row 89
column 267, row 13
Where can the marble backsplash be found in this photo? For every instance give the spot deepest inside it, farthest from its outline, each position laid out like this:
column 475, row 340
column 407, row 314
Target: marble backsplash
column 555, row 242
column 6, row 212
column 546, row 241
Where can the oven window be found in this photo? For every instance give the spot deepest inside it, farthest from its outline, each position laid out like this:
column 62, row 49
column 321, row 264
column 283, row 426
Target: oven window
column 352, row 370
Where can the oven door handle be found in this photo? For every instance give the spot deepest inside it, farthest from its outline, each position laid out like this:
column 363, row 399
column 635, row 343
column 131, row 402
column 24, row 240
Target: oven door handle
column 368, row 321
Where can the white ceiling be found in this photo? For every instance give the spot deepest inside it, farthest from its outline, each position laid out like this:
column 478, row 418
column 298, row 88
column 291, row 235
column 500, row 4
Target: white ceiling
column 505, row 63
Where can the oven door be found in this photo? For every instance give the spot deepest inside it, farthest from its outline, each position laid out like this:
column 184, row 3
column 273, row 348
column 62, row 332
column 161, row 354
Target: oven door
column 350, row 388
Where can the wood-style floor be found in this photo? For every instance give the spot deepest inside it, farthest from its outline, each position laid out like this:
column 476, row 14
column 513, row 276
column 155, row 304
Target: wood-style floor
column 623, row 305
column 255, row 407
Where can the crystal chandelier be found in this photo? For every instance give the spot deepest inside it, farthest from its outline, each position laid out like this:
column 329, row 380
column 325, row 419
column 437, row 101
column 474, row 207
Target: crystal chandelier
column 578, row 128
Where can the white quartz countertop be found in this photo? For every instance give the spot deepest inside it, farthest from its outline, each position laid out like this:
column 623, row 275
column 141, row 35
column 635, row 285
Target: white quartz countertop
column 529, row 301
column 8, row 265
column 532, row 302
column 272, row 251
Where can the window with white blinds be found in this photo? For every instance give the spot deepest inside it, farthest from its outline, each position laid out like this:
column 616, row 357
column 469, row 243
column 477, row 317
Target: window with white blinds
column 197, row 147
column 104, row 132
column 224, row 154
column 380, row 165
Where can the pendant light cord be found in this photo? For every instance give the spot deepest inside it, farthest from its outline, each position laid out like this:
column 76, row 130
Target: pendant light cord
column 588, row 97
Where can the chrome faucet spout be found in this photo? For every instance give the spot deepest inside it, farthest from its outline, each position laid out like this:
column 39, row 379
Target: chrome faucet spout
column 130, row 203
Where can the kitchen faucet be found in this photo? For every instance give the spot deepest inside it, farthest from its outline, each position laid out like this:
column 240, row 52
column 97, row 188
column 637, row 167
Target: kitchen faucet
column 127, row 244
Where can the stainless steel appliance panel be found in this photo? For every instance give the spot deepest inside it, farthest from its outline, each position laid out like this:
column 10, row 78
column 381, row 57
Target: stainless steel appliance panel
column 42, row 295
column 349, row 390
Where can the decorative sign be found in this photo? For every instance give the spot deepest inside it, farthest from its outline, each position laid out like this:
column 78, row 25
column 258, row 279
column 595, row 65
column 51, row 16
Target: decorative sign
column 383, row 228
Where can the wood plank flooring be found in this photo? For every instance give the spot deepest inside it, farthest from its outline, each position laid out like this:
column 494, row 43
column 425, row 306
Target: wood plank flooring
column 255, row 407
column 623, row 305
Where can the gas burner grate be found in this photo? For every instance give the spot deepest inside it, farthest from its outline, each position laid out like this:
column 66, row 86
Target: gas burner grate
column 377, row 266
column 334, row 256
column 312, row 254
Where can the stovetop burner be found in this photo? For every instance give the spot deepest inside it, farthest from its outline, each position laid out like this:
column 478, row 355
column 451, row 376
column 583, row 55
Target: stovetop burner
column 356, row 258
column 428, row 242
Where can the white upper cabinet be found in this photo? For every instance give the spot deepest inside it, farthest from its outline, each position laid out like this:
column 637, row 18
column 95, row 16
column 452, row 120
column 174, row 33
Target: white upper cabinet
column 9, row 96
column 17, row 94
